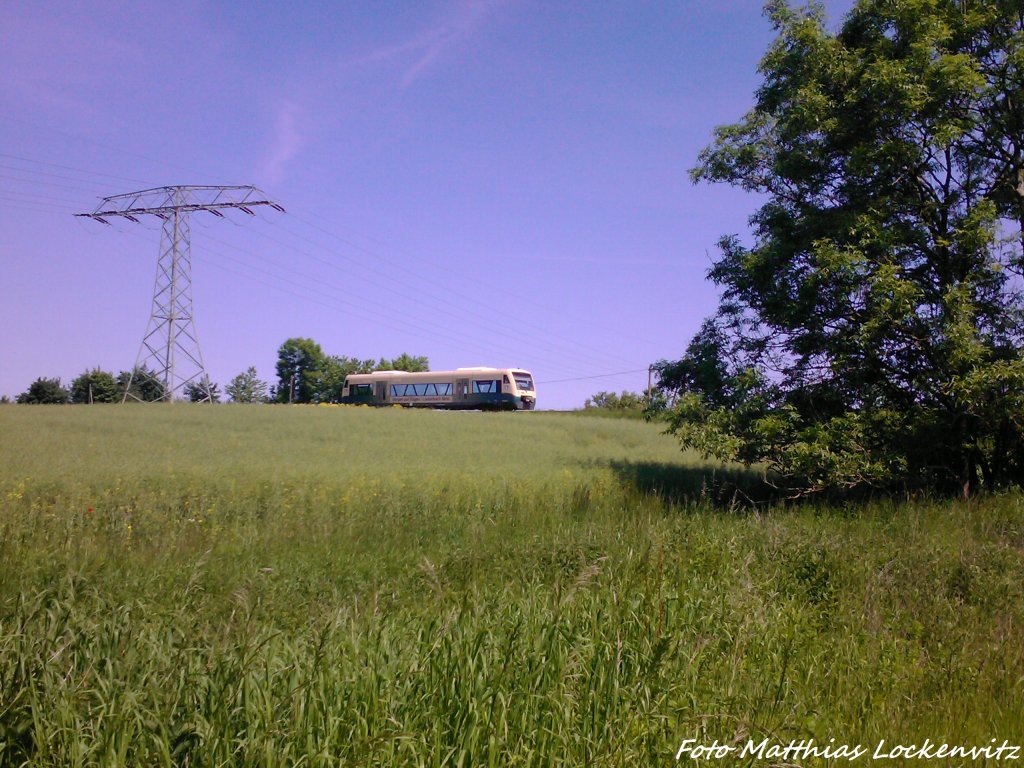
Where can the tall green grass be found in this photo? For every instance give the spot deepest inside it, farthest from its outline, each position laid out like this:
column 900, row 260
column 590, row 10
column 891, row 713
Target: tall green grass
column 315, row 586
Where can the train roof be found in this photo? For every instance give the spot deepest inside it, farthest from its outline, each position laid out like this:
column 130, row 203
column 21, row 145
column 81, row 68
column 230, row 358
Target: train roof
column 432, row 374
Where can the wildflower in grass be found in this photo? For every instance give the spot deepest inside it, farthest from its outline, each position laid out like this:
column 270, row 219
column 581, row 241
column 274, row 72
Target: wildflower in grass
column 17, row 493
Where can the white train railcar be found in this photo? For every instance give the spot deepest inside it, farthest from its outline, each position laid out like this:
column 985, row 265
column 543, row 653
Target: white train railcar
column 464, row 388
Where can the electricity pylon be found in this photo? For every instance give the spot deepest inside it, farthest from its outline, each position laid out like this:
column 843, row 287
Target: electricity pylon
column 170, row 344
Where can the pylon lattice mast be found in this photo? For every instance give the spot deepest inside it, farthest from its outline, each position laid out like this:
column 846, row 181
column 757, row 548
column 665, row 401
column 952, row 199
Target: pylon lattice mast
column 169, row 354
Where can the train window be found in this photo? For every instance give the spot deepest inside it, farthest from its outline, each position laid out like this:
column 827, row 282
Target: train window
column 523, row 380
column 362, row 390
column 430, row 389
column 485, row 387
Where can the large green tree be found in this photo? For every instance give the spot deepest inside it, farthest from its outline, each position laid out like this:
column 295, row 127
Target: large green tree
column 95, row 386
column 202, row 391
column 609, row 401
column 328, row 380
column 305, row 374
column 44, row 391
column 871, row 333
column 299, row 363
column 145, row 386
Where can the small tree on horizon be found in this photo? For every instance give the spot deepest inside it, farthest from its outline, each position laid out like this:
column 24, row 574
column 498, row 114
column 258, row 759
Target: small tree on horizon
column 202, row 391
column 145, row 386
column 404, row 362
column 44, row 391
column 247, row 387
column 609, row 401
column 95, row 386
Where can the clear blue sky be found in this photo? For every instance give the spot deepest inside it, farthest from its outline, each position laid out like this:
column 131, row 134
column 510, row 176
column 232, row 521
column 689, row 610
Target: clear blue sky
column 482, row 183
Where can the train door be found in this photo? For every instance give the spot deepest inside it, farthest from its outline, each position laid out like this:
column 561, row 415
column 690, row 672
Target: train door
column 461, row 390
column 382, row 392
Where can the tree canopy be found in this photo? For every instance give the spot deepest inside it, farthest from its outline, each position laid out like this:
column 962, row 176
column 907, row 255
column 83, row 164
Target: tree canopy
column 404, row 362
column 44, row 391
column 624, row 404
column 247, row 387
column 202, row 391
column 144, row 385
column 327, row 381
column 95, row 386
column 871, row 334
column 307, row 375
column 299, row 360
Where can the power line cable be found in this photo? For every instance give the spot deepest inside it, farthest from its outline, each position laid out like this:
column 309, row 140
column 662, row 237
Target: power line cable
column 365, row 307
column 425, row 302
column 69, row 168
column 117, row 150
column 382, row 318
column 48, row 183
column 11, row 206
column 568, row 347
column 48, row 174
column 44, row 207
column 335, row 302
column 547, row 339
column 464, row 297
column 331, row 301
column 45, row 198
column 598, row 376
column 377, row 255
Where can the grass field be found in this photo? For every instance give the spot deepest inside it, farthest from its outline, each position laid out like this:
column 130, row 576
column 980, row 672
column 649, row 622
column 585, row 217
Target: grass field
column 234, row 585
